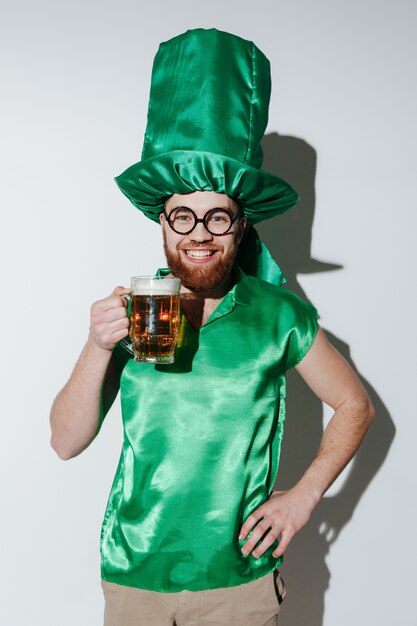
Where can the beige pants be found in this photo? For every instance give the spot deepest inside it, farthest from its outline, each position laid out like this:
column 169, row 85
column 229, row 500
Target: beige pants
column 253, row 604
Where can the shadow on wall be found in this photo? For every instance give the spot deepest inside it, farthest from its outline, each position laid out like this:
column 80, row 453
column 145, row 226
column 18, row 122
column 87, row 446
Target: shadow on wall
column 288, row 237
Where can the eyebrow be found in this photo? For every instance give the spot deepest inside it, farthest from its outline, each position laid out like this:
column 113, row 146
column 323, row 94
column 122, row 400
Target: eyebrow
column 224, row 208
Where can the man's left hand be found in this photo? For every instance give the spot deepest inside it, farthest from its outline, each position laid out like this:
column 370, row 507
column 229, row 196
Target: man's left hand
column 284, row 514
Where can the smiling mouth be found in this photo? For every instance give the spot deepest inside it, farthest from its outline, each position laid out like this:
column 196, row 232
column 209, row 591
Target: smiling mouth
column 199, row 254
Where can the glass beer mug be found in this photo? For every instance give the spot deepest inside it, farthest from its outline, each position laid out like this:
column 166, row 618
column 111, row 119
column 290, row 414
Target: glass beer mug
column 154, row 318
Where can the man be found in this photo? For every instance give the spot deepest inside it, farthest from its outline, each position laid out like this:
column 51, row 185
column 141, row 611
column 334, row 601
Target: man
column 193, row 531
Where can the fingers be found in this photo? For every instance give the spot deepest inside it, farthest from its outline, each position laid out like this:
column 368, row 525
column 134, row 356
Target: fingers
column 284, row 542
column 272, row 516
column 109, row 321
column 283, row 515
column 120, row 291
column 117, row 335
column 251, row 546
column 113, row 301
column 257, row 535
column 110, row 315
column 251, row 521
column 112, row 327
column 266, row 543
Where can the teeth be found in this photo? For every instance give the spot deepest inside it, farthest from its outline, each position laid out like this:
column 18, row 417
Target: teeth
column 198, row 254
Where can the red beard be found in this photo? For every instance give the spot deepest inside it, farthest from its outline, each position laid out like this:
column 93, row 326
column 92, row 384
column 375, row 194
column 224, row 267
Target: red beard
column 200, row 278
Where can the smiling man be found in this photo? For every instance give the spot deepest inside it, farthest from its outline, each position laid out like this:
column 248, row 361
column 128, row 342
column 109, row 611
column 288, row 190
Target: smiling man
column 194, row 531
column 202, row 256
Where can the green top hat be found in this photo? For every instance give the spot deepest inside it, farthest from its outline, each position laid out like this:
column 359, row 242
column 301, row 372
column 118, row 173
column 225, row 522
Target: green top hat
column 208, row 111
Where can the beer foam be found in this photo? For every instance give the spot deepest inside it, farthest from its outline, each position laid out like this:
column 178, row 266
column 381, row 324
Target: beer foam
column 153, row 286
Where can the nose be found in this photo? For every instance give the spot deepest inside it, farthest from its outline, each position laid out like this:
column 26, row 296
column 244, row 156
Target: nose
column 200, row 233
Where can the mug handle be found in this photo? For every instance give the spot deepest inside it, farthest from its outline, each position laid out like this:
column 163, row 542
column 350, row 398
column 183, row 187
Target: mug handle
column 126, row 343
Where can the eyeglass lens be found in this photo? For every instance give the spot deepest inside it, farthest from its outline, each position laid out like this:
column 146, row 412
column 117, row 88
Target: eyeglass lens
column 216, row 221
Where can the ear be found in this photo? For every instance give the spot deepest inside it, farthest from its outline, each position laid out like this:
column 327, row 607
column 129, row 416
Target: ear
column 162, row 218
column 240, row 230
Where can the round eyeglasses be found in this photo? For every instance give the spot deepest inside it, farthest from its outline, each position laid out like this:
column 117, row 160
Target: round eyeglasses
column 216, row 221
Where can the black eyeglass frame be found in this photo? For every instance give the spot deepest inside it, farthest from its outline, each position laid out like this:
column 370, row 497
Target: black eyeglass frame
column 202, row 220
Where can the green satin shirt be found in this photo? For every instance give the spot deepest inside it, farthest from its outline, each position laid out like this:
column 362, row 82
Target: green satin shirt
column 201, row 447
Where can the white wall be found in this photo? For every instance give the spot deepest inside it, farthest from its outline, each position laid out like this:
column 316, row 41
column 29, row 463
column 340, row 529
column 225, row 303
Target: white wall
column 75, row 92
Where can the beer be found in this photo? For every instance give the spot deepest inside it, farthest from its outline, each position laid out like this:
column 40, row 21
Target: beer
column 154, row 318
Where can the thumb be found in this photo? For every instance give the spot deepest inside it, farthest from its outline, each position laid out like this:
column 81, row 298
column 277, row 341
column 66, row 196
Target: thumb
column 120, row 291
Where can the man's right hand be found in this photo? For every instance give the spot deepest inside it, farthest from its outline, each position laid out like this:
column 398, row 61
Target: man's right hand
column 109, row 321
column 80, row 407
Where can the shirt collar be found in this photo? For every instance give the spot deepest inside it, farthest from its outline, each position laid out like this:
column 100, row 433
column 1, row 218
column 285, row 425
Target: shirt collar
column 241, row 292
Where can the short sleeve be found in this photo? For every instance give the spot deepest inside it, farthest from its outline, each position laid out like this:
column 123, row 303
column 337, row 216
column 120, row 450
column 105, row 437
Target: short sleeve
column 302, row 333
